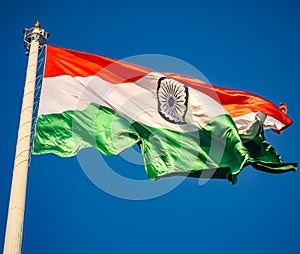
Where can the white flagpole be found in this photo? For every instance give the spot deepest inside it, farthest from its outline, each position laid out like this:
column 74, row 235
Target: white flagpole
column 34, row 38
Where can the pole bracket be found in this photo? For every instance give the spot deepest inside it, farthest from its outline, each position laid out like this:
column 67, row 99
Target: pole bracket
column 35, row 33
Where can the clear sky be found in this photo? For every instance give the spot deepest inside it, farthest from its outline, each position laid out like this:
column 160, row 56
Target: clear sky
column 247, row 45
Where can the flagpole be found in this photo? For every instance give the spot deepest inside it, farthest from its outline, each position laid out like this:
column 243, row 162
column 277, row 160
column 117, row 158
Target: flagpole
column 34, row 38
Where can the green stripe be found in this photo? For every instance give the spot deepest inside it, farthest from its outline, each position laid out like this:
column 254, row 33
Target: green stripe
column 213, row 151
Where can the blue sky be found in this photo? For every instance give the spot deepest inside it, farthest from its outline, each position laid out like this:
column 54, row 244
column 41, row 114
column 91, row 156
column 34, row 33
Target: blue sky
column 247, row 45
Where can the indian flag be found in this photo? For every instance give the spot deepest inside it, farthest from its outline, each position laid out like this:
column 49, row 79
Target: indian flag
column 182, row 125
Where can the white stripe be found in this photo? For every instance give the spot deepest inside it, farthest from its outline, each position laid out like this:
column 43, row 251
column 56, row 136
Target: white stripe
column 136, row 100
column 243, row 121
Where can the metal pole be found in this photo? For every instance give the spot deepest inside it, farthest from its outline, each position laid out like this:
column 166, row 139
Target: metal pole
column 34, row 38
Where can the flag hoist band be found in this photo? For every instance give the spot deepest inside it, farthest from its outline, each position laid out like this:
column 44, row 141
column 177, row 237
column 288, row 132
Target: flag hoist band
column 182, row 125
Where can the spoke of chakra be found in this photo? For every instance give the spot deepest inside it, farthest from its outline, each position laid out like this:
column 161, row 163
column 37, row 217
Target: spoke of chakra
column 174, row 111
column 168, row 88
column 176, row 91
column 179, row 100
column 179, row 114
column 180, row 103
column 164, row 97
column 178, row 109
column 165, row 107
column 169, row 109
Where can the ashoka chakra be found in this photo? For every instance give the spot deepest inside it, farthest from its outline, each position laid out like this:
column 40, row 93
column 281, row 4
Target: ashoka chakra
column 172, row 100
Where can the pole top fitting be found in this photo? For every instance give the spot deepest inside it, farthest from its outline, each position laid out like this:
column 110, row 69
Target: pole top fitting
column 37, row 25
column 35, row 33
